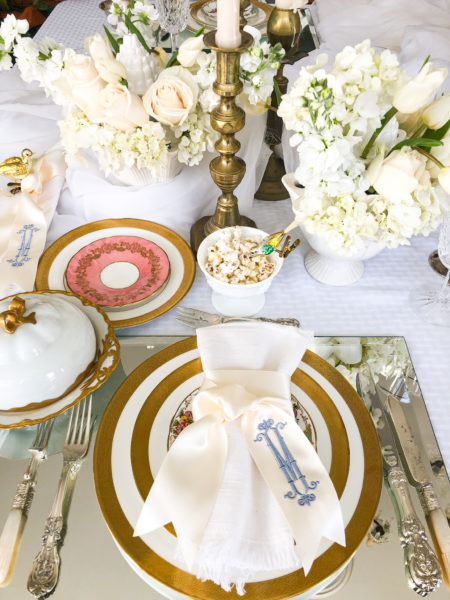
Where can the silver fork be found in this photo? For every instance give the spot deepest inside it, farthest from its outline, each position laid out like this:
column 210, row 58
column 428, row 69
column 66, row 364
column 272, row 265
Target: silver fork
column 11, row 536
column 45, row 571
column 200, row 318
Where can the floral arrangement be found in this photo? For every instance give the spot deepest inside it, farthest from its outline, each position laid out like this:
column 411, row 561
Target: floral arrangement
column 373, row 152
column 126, row 100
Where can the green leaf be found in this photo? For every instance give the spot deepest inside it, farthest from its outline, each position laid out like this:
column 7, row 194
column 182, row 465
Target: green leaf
column 276, row 87
column 417, row 143
column 123, row 82
column 42, row 5
column 112, row 40
column 2, row 41
column 42, row 56
column 437, row 134
column 133, row 29
column 425, row 62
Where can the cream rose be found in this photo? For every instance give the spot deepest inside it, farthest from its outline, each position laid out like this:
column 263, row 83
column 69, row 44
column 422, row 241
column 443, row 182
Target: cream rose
column 444, row 179
column 419, row 91
column 400, row 173
column 81, row 84
column 172, row 97
column 438, row 113
column 189, row 51
column 108, row 67
column 122, row 109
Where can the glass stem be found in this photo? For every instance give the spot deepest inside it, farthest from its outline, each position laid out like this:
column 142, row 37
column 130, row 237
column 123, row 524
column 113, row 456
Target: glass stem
column 174, row 41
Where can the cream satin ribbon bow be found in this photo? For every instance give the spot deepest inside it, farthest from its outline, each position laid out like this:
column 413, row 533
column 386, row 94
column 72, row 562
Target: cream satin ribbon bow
column 191, row 473
column 23, row 228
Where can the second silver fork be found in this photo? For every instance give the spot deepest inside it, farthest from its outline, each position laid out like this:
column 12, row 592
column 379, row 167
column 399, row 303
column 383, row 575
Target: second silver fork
column 192, row 317
column 45, row 571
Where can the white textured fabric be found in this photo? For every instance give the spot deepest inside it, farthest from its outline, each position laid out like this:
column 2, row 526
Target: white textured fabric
column 376, row 305
column 242, row 410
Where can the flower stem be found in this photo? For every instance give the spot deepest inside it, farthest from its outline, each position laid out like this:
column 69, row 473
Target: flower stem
column 430, row 156
column 384, row 121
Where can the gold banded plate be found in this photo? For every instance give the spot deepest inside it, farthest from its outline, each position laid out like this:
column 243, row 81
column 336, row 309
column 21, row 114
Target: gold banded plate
column 134, row 436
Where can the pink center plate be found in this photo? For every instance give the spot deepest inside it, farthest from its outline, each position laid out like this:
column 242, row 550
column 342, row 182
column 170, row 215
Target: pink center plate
column 118, row 271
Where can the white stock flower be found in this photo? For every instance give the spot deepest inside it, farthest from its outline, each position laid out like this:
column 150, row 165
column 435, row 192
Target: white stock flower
column 444, row 179
column 11, row 29
column 5, row 62
column 420, row 90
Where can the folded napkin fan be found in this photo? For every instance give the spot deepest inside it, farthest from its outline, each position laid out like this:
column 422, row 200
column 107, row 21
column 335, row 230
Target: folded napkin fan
column 243, row 471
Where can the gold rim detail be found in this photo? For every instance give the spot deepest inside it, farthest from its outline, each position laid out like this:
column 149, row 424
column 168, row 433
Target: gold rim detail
column 196, row 7
column 280, row 588
column 101, row 371
column 52, row 252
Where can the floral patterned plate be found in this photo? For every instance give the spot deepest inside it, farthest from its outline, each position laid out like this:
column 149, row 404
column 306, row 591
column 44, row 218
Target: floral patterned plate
column 118, row 271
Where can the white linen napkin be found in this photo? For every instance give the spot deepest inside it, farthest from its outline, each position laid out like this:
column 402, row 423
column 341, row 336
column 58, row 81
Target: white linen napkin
column 24, row 219
column 246, row 499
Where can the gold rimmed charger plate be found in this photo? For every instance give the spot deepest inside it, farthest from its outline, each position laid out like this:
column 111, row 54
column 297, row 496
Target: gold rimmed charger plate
column 49, row 277
column 150, row 562
column 196, row 9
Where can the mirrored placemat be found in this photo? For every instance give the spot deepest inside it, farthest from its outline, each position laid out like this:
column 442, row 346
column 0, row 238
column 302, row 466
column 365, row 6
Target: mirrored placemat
column 376, row 571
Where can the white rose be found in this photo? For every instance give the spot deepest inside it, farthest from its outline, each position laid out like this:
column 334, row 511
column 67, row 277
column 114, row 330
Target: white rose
column 172, row 97
column 400, row 173
column 444, row 179
column 109, row 69
column 190, row 50
column 80, row 83
column 122, row 109
column 438, row 113
column 419, row 91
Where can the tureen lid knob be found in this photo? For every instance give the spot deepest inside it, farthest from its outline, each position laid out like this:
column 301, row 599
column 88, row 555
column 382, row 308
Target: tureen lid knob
column 13, row 317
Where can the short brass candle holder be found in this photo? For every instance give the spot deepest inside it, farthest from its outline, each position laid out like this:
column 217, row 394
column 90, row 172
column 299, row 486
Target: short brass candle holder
column 227, row 170
column 283, row 27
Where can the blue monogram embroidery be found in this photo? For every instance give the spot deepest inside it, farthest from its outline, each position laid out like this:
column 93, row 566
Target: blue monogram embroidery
column 286, row 462
column 25, row 242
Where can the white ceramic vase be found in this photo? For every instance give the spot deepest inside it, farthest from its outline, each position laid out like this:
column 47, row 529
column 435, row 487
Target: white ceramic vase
column 323, row 262
column 142, row 68
column 136, row 176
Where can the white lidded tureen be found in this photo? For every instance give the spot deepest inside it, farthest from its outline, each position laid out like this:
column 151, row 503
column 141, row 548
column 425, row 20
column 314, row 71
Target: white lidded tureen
column 47, row 345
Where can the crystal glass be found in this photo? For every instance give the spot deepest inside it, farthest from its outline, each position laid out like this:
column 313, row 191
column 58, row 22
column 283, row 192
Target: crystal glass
column 173, row 17
column 434, row 303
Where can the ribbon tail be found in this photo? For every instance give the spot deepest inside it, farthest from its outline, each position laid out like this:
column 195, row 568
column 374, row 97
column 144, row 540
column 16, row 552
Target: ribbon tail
column 297, row 478
column 181, row 493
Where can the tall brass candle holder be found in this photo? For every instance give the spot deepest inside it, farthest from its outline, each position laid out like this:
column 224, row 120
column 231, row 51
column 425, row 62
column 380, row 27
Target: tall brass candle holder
column 227, row 169
column 283, row 27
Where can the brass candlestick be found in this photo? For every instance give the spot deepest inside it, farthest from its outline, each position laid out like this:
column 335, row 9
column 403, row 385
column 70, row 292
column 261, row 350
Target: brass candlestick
column 283, row 27
column 227, row 170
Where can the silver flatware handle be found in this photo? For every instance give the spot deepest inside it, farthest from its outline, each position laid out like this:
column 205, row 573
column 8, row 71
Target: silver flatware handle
column 439, row 528
column 287, row 321
column 11, row 536
column 44, row 573
column 421, row 564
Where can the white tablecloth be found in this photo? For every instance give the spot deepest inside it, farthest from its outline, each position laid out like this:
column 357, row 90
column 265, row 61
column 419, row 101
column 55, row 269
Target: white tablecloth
column 376, row 305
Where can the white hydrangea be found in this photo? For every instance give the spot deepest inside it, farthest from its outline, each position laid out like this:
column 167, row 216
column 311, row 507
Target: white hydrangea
column 143, row 147
column 195, row 137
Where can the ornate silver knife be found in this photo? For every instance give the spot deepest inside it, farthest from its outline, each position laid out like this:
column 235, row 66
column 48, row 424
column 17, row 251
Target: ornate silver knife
column 418, row 476
column 421, row 565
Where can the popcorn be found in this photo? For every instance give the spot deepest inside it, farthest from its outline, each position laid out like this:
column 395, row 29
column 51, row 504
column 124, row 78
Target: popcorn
column 230, row 259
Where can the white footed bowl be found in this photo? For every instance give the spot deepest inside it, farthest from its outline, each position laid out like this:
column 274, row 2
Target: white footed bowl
column 323, row 262
column 236, row 299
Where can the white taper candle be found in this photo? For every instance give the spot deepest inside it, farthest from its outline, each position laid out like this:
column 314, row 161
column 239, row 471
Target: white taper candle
column 228, row 34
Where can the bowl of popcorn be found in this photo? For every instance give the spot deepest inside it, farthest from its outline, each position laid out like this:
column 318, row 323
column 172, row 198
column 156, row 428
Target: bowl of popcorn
column 237, row 272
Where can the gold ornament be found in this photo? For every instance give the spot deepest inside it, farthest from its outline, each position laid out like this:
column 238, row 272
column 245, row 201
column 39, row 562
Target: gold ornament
column 16, row 168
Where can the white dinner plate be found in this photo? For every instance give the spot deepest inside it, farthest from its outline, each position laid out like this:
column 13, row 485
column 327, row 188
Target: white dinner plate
column 53, row 264
column 134, row 436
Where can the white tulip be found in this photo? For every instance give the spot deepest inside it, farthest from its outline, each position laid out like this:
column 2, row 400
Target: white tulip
column 442, row 153
column 109, row 69
column 419, row 91
column 190, row 50
column 400, row 173
column 444, row 179
column 438, row 113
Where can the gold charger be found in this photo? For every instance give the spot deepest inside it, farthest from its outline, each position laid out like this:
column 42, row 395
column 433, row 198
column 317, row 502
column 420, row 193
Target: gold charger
column 181, row 581
column 52, row 253
column 196, row 7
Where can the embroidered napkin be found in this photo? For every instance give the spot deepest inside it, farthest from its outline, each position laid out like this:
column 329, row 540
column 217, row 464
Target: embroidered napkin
column 244, row 471
column 23, row 225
